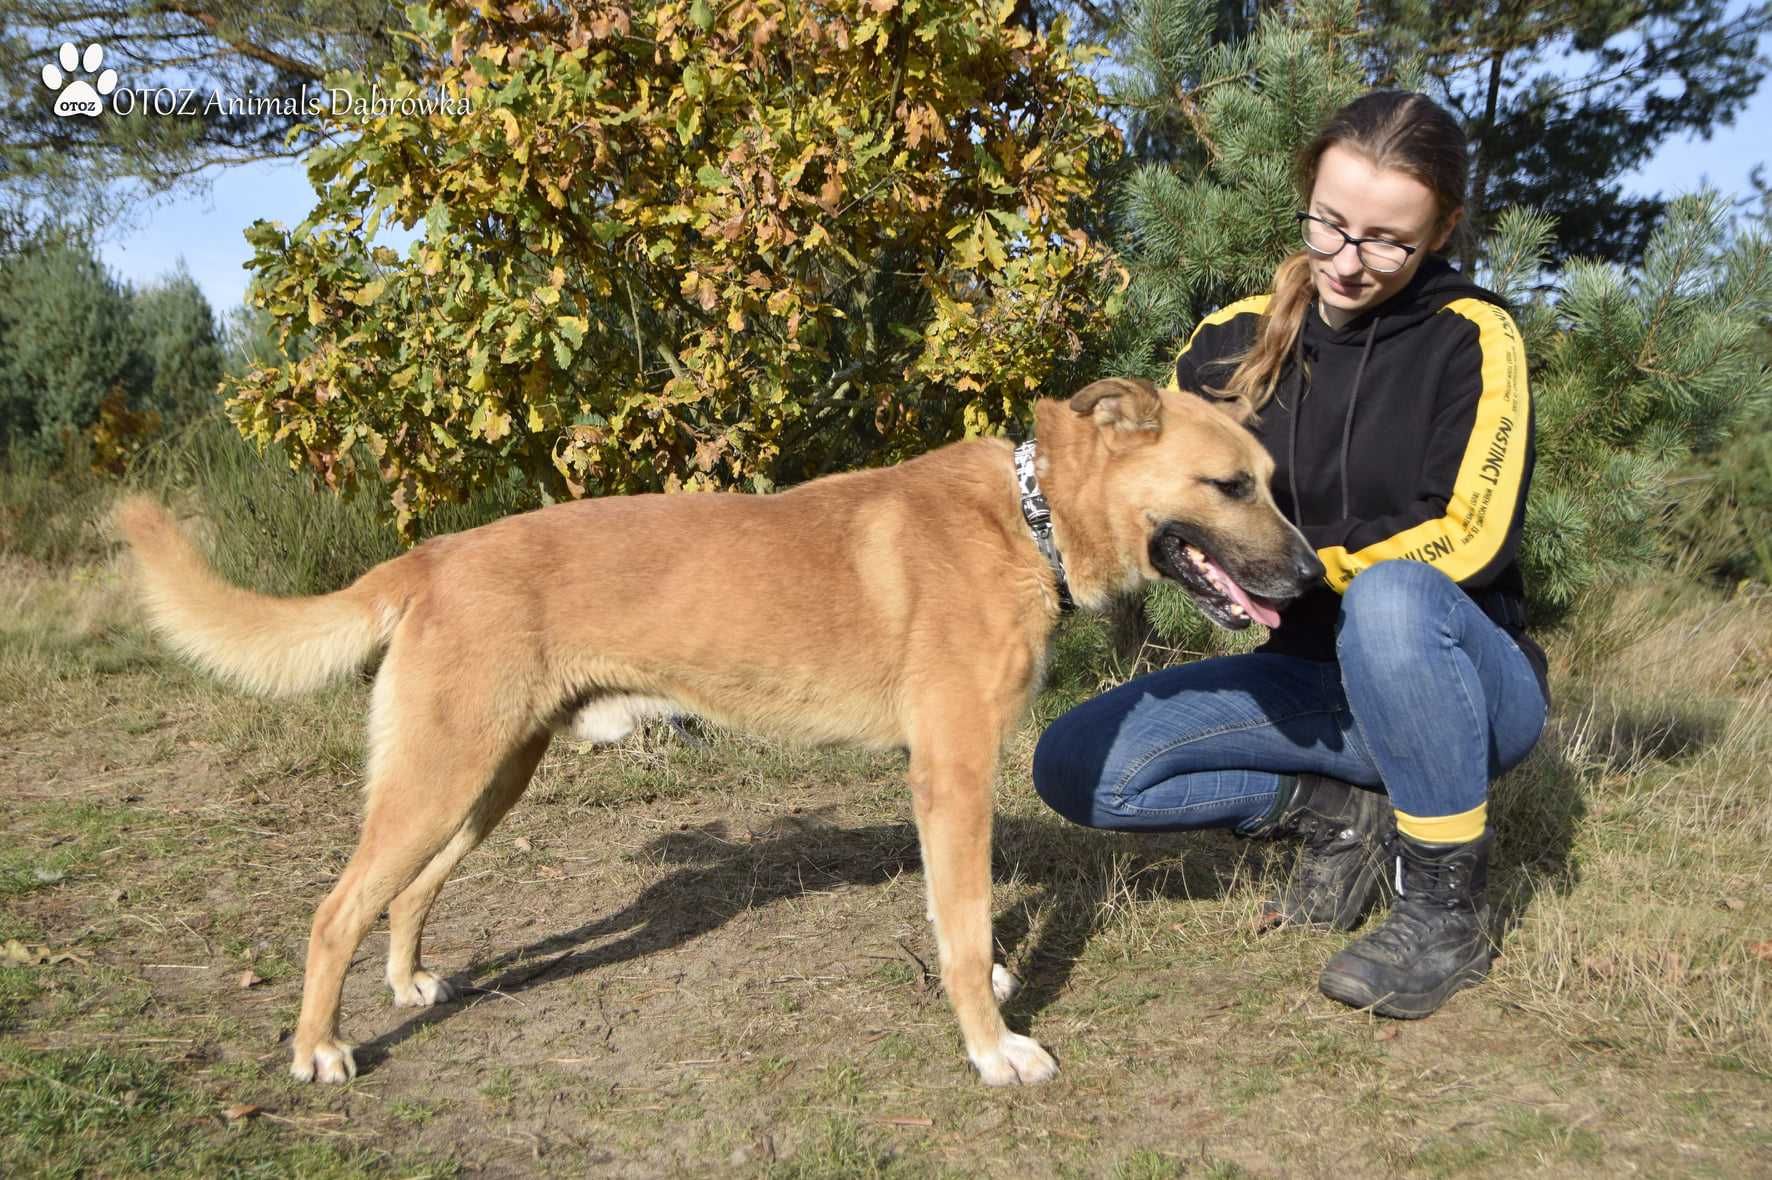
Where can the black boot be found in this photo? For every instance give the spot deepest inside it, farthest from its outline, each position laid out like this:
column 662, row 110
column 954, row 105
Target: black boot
column 1434, row 941
column 1345, row 830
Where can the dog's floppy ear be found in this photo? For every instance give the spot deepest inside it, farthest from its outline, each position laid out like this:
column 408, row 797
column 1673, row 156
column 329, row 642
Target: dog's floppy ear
column 1122, row 403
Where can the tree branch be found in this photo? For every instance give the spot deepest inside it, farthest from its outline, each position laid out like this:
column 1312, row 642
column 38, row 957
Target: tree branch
column 240, row 44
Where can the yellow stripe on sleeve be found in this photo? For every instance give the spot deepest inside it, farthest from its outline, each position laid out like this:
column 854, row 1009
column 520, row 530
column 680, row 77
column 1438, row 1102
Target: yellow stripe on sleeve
column 1486, row 491
column 1254, row 305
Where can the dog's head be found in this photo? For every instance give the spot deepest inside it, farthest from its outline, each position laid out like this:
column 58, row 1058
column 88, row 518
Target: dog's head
column 1147, row 483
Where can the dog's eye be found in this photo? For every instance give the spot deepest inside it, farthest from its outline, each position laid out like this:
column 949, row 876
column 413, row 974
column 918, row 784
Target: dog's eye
column 1239, row 488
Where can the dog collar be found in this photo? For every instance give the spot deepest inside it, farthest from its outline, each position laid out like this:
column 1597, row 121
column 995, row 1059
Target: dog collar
column 1038, row 514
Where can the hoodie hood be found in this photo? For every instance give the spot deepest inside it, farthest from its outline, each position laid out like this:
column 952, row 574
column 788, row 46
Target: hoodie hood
column 1435, row 285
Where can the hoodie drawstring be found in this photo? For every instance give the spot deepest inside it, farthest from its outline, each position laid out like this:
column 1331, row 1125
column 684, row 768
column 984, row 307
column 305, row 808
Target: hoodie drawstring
column 1347, row 423
column 1292, row 429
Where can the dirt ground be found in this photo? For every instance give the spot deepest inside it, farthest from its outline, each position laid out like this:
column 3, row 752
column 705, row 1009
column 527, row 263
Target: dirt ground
column 687, row 958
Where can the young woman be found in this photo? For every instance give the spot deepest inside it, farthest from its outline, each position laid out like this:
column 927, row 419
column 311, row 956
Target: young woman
column 1392, row 395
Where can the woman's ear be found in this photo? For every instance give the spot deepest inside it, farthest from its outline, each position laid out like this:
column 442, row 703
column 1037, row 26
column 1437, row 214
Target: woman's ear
column 1446, row 230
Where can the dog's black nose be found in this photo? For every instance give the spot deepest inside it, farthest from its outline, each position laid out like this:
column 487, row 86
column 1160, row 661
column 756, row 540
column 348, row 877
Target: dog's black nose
column 1308, row 568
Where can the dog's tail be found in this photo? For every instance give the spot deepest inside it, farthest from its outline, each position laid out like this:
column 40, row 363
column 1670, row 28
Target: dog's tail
column 265, row 645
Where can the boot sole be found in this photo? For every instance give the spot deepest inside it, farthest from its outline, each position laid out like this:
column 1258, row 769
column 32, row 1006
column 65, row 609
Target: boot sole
column 1354, row 992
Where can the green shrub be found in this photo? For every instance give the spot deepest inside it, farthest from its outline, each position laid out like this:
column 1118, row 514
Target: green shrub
column 85, row 357
column 184, row 353
column 68, row 341
column 682, row 245
column 1722, row 522
column 273, row 527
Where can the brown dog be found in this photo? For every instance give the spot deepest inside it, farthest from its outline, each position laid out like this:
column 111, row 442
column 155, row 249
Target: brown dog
column 902, row 607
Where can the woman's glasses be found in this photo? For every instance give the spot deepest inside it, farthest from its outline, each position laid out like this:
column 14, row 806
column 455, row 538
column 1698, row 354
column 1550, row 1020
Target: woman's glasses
column 1326, row 240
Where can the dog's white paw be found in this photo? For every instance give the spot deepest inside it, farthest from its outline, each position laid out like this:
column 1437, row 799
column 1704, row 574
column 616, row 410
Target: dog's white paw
column 329, row 1061
column 1004, row 984
column 1016, row 1061
column 424, row 989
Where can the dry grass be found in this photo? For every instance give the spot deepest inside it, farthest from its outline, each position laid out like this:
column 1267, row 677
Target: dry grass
column 1657, row 767
column 698, row 957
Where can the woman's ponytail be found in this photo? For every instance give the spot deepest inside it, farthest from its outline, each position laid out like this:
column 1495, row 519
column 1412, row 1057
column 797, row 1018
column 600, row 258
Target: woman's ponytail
column 1258, row 372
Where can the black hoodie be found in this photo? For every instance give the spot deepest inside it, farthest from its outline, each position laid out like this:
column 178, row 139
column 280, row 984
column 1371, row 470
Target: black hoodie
column 1406, row 434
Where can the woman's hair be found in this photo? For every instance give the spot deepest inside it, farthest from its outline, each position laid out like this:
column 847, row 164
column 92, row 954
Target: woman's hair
column 1397, row 129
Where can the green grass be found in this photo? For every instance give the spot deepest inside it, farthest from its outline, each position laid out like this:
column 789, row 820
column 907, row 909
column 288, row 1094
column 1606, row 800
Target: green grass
column 1145, row 1164
column 500, row 1087
column 66, row 840
column 47, row 511
column 1148, row 1165
column 282, row 535
column 1523, row 1134
column 412, row 1112
column 90, row 1113
column 18, row 987
column 839, row 1148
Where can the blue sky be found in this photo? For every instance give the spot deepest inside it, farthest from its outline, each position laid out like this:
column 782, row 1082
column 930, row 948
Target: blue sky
column 205, row 230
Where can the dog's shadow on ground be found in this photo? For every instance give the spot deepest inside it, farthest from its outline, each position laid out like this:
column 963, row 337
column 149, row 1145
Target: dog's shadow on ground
column 721, row 873
column 1079, row 879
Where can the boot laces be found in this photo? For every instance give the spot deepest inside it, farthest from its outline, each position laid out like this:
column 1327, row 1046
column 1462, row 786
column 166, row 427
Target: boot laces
column 1428, row 884
column 1404, row 929
column 1321, row 834
column 1326, row 843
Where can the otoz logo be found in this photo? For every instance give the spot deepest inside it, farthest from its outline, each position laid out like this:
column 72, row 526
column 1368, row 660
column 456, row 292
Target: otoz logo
column 80, row 96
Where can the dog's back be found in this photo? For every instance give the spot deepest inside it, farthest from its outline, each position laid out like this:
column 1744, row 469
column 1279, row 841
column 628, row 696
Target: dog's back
column 796, row 614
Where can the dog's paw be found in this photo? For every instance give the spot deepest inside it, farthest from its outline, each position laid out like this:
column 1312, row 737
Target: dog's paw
column 1016, row 1061
column 425, row 988
column 1004, row 984
column 328, row 1061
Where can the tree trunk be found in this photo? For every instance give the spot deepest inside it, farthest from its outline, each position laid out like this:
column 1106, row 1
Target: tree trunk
column 1476, row 206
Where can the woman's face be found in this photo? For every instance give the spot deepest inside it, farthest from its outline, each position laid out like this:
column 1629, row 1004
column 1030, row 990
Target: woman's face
column 1368, row 202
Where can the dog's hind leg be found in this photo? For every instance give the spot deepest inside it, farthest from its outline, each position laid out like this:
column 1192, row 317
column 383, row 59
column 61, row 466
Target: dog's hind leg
column 421, row 794
column 414, row 985
column 953, row 760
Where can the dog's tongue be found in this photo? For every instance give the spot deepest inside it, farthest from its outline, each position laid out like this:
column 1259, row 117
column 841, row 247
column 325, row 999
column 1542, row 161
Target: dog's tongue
column 1266, row 615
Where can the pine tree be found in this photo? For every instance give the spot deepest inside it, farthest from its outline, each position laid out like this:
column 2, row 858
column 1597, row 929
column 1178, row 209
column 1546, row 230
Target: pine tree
column 67, row 342
column 1208, row 229
column 1563, row 100
column 179, row 336
column 1633, row 370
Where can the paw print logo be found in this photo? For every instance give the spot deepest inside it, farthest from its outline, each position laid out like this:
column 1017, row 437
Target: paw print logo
column 80, row 96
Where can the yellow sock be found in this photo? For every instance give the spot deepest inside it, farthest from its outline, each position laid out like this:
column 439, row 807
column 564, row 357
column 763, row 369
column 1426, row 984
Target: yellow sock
column 1445, row 829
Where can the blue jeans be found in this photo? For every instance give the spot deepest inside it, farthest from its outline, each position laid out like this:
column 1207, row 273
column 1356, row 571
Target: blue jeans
column 1428, row 700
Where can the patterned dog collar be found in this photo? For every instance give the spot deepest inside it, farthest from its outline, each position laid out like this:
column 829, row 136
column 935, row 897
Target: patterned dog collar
column 1038, row 514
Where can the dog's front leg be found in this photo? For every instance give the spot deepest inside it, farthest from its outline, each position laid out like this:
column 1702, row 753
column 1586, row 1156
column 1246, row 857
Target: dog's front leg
column 951, row 790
